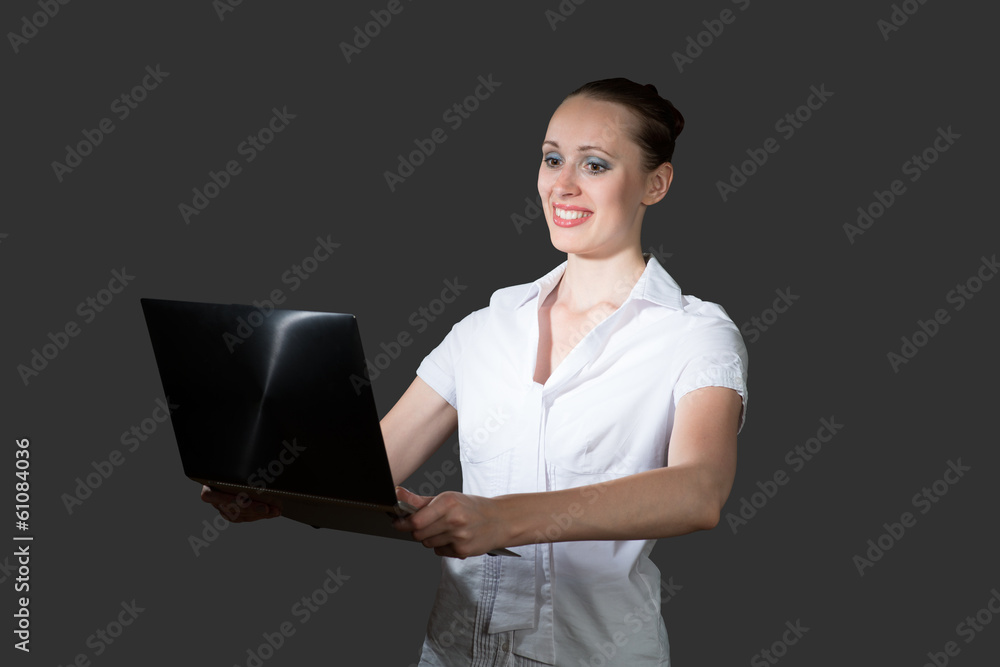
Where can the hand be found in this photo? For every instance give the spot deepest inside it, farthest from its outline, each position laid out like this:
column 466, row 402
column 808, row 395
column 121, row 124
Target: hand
column 453, row 524
column 238, row 509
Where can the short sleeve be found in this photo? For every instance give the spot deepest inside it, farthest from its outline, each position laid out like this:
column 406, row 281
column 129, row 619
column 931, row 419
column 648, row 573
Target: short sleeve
column 714, row 356
column 439, row 368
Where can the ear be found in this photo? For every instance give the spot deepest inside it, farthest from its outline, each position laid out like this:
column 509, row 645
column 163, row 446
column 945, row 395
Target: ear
column 657, row 183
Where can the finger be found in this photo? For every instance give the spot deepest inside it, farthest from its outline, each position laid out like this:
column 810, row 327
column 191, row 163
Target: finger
column 236, row 514
column 438, row 541
column 248, row 518
column 448, row 553
column 423, row 519
column 230, row 511
column 408, row 496
column 402, row 524
column 216, row 497
column 209, row 492
column 259, row 511
column 436, row 533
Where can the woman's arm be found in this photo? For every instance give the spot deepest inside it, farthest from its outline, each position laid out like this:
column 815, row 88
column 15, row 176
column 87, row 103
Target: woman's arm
column 415, row 427
column 684, row 497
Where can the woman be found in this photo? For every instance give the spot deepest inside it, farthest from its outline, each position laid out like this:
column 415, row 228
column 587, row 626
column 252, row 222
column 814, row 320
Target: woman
column 597, row 410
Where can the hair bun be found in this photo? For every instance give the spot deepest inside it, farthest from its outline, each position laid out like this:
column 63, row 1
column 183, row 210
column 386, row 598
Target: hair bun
column 652, row 88
column 678, row 121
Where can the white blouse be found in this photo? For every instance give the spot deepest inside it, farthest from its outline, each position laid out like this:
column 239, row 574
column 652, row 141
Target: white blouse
column 606, row 412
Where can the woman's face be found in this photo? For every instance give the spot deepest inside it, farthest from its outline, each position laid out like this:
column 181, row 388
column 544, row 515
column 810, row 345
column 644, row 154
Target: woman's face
column 593, row 187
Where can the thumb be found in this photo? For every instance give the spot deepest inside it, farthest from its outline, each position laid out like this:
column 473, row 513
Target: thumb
column 408, row 496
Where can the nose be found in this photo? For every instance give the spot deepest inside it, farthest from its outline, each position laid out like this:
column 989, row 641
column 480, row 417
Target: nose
column 566, row 182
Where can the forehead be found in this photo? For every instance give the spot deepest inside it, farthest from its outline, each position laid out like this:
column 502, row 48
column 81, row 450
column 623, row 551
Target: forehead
column 581, row 120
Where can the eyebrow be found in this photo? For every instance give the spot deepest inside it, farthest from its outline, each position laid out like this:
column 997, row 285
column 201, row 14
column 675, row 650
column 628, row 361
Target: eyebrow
column 582, row 149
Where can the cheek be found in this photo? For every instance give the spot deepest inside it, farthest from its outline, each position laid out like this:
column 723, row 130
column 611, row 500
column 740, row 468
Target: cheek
column 622, row 194
column 544, row 179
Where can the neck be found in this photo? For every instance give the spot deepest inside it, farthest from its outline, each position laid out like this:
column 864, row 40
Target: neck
column 590, row 282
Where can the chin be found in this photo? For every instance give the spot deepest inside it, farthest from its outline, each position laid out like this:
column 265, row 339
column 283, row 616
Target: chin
column 569, row 247
column 560, row 240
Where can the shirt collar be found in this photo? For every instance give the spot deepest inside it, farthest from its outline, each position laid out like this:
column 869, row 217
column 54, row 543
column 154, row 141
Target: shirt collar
column 654, row 285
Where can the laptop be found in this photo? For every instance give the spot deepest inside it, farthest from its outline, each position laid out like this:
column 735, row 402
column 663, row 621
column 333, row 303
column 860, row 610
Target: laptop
column 277, row 404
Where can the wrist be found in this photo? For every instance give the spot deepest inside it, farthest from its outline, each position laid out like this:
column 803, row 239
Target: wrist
column 508, row 521
column 523, row 519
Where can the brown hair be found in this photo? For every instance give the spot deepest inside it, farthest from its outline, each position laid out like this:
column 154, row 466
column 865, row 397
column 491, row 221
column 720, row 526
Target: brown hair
column 659, row 121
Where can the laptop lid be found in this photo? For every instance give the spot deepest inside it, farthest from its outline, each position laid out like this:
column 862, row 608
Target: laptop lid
column 276, row 400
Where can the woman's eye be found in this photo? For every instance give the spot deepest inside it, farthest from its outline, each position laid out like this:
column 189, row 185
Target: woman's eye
column 552, row 159
column 596, row 166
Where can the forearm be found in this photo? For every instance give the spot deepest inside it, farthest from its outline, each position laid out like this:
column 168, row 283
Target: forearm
column 657, row 503
column 685, row 496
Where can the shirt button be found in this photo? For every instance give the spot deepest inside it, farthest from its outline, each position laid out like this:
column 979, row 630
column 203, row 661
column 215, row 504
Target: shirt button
column 505, row 647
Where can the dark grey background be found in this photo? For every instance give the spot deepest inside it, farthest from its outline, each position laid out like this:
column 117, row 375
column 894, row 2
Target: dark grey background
column 323, row 175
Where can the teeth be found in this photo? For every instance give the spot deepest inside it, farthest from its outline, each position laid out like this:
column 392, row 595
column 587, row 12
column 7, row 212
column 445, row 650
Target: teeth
column 571, row 215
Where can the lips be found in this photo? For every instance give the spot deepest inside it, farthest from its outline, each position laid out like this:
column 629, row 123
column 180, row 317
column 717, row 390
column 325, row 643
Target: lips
column 569, row 216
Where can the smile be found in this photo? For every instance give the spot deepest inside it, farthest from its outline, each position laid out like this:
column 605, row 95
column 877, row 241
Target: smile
column 569, row 217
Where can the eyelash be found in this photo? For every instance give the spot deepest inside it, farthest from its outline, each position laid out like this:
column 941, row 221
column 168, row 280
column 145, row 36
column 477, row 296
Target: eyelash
column 596, row 162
